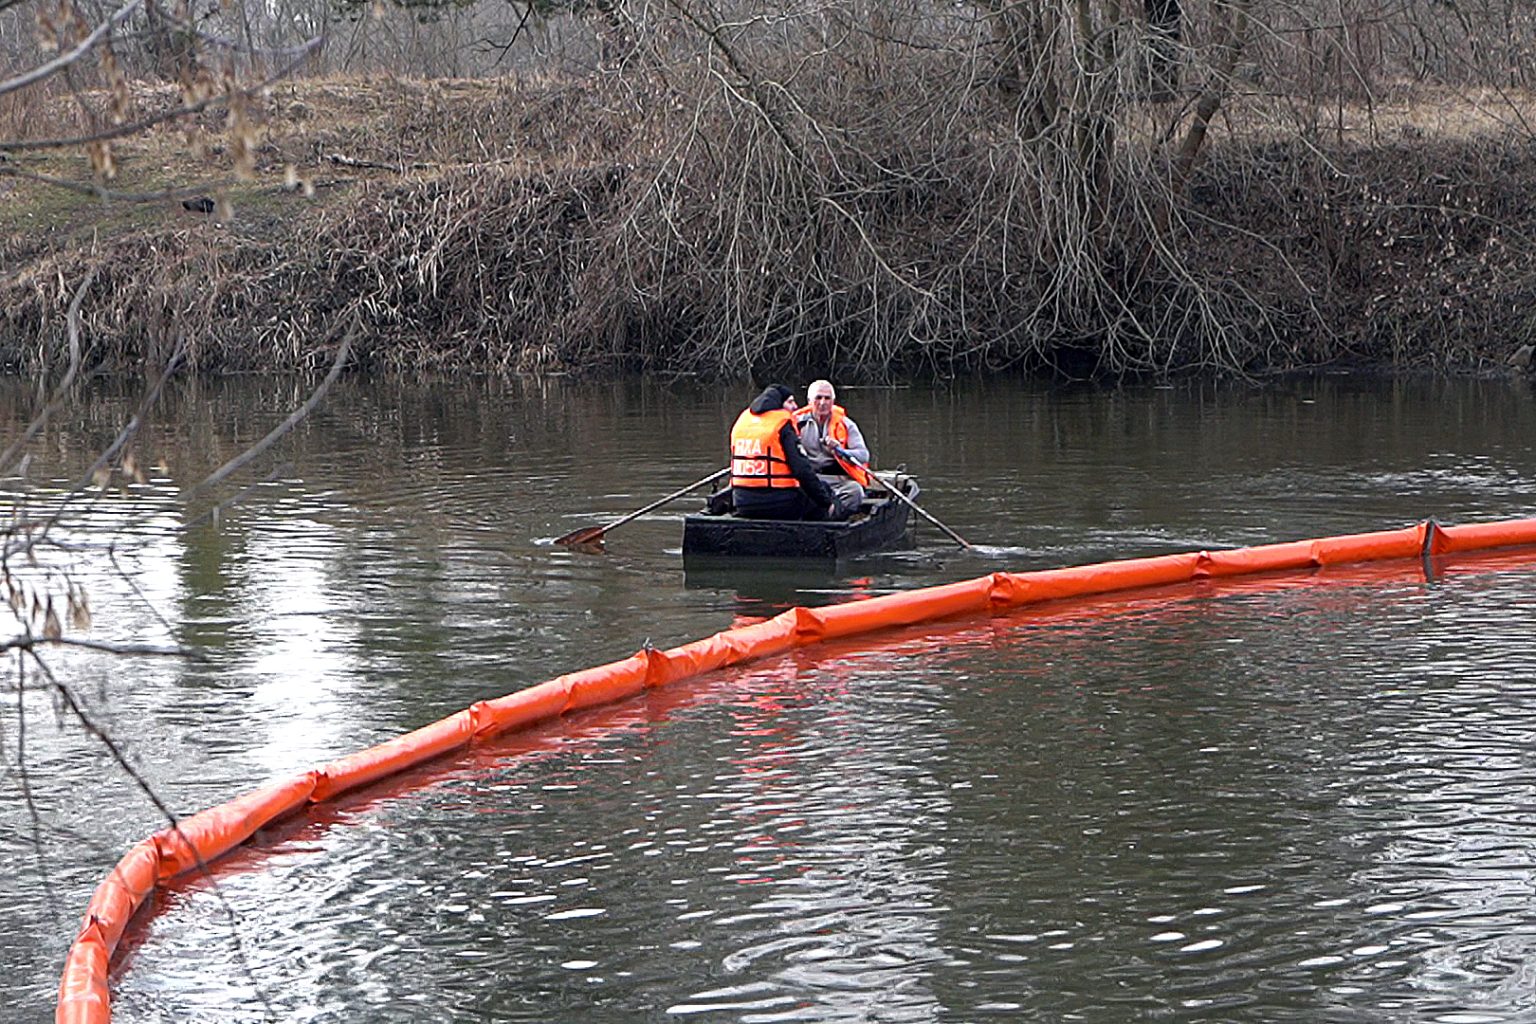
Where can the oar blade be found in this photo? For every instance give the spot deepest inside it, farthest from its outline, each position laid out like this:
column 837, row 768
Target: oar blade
column 587, row 536
column 591, row 537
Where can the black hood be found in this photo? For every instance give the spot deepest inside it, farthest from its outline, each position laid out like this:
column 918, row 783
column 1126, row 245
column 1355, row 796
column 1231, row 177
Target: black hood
column 772, row 398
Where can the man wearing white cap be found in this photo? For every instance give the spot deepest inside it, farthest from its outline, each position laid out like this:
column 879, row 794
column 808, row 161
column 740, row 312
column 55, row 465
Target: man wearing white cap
column 835, row 445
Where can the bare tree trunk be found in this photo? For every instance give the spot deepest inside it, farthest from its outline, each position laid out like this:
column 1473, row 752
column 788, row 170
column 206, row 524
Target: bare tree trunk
column 1165, row 24
column 1026, row 38
column 1232, row 33
column 1096, row 89
column 171, row 48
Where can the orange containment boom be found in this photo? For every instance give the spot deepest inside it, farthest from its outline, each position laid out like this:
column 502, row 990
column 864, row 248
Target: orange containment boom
column 84, row 997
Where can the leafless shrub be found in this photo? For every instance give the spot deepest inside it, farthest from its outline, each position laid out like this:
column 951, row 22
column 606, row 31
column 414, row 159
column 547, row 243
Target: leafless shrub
column 876, row 187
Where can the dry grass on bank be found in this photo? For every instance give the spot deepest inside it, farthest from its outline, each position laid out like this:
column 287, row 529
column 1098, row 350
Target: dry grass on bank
column 335, row 132
column 524, row 226
column 329, row 134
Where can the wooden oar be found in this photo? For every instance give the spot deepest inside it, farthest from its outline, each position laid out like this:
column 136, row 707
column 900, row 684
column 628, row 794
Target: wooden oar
column 890, row 485
column 593, row 534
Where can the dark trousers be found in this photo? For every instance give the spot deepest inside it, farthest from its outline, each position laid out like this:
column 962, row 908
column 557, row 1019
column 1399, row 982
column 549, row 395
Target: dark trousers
column 775, row 503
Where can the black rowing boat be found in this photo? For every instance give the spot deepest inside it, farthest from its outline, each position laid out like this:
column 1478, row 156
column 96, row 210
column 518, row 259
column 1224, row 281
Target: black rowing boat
column 881, row 524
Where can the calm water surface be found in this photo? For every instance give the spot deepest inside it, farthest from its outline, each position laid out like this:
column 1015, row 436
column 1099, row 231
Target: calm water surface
column 1309, row 799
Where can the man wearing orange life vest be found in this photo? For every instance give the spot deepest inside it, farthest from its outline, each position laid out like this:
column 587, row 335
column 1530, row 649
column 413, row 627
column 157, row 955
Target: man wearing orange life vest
column 836, row 447
column 771, row 477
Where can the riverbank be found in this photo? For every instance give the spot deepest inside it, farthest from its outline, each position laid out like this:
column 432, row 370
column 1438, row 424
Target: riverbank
column 524, row 227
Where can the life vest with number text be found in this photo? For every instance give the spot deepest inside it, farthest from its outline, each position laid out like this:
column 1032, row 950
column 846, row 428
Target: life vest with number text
column 757, row 454
column 837, row 430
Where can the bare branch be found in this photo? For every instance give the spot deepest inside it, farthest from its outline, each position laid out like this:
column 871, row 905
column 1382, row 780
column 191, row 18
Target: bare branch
column 95, row 191
column 38, row 533
column 65, row 60
column 41, row 419
column 144, row 124
column 28, row 642
column 293, row 419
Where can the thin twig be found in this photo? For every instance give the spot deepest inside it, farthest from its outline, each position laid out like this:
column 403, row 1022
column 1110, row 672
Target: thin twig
column 38, row 422
column 144, row 124
column 293, row 419
column 64, row 60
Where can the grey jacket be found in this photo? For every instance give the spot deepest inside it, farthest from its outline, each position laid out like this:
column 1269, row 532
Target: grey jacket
column 812, row 435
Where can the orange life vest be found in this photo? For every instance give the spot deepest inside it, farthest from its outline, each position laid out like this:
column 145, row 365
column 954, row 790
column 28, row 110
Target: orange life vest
column 837, row 430
column 757, row 455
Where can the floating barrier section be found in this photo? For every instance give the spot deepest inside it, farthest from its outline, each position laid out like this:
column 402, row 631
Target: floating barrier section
column 84, row 997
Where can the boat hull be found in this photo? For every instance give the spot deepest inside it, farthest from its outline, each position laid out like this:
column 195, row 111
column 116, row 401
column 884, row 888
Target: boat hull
column 883, row 524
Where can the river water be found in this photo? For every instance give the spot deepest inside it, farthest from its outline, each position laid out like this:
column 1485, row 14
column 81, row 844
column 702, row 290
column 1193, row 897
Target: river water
column 1296, row 799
